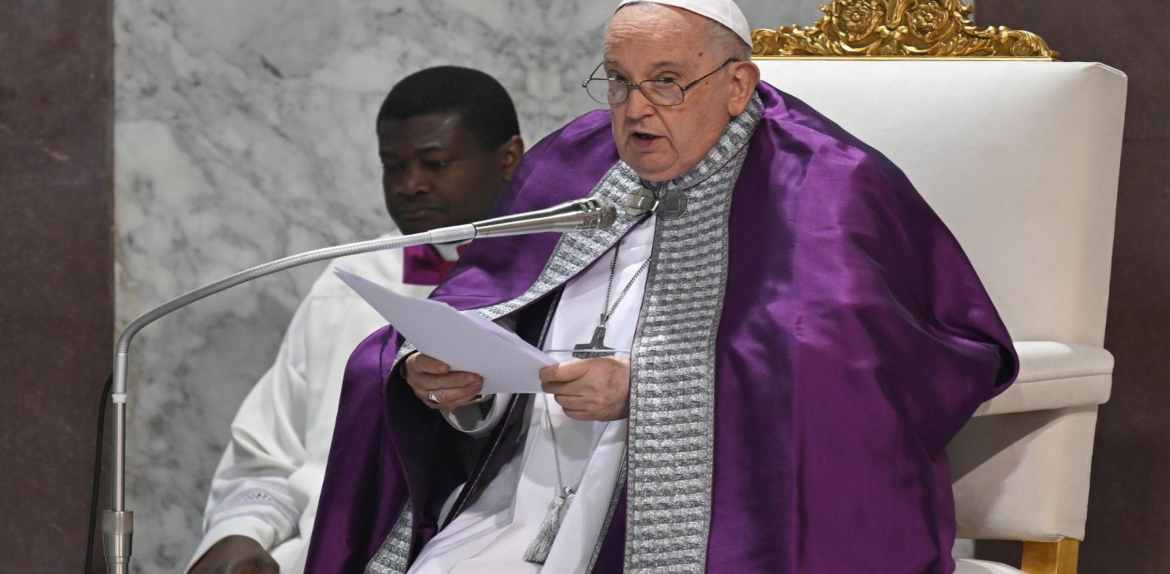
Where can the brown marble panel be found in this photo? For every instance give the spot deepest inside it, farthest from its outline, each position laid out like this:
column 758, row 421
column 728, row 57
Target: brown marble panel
column 1130, row 35
column 56, row 301
column 1129, row 506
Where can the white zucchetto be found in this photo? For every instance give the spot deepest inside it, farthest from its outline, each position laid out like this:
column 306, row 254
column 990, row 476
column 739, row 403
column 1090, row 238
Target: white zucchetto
column 725, row 12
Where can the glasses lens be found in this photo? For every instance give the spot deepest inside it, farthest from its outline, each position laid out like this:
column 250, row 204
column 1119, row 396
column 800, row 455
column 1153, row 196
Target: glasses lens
column 665, row 93
column 606, row 92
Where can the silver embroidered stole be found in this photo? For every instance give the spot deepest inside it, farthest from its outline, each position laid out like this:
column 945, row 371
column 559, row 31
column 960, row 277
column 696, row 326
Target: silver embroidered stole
column 670, row 458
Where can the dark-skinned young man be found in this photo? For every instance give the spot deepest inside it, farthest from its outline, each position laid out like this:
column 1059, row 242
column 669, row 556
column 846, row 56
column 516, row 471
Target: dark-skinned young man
column 449, row 143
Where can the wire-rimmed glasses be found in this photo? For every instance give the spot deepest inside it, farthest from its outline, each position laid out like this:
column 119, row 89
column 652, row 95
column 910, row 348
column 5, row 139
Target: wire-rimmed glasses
column 613, row 91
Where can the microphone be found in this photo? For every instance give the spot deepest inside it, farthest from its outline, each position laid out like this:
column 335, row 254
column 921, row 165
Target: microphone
column 571, row 216
column 118, row 523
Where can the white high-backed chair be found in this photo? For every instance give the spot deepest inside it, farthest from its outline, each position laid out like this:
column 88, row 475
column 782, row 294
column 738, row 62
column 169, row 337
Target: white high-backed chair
column 1020, row 157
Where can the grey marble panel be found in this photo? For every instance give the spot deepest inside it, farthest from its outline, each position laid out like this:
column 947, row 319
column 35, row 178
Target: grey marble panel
column 243, row 133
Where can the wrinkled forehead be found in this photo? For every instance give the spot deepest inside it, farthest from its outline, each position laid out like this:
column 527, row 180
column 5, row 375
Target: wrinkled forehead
column 661, row 32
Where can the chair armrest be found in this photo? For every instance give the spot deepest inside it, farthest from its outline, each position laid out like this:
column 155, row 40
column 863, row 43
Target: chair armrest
column 1055, row 376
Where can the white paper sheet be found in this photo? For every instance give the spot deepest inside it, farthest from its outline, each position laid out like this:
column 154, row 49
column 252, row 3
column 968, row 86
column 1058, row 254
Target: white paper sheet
column 464, row 340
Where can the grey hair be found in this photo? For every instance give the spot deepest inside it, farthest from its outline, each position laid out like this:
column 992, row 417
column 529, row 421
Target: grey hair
column 729, row 42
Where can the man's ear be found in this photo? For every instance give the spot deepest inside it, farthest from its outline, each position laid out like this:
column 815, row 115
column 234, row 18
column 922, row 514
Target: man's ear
column 510, row 153
column 745, row 76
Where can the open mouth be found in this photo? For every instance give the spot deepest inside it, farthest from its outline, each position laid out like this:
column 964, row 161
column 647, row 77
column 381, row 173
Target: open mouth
column 643, row 139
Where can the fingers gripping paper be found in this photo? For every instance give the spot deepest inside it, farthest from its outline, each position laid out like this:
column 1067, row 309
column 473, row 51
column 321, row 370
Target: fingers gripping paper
column 464, row 340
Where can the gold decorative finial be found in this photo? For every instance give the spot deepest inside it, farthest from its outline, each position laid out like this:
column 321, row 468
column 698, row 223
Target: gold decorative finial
column 899, row 28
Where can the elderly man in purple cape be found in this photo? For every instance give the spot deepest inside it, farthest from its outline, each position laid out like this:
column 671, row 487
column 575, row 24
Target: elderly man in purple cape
column 775, row 342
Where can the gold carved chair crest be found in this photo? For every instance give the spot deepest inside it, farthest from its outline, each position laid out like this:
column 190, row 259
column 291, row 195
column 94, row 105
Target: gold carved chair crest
column 896, row 29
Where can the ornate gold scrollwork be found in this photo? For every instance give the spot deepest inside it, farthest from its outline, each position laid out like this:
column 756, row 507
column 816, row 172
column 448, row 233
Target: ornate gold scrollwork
column 899, row 28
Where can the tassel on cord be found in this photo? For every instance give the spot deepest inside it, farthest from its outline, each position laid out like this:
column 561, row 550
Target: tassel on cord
column 538, row 551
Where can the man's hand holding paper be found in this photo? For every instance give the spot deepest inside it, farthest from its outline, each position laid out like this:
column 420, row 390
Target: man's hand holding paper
column 462, row 349
column 590, row 389
column 439, row 387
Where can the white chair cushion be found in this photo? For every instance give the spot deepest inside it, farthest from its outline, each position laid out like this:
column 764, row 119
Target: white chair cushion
column 967, row 566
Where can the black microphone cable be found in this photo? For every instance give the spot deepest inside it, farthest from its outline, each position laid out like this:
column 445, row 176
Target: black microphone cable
column 97, row 473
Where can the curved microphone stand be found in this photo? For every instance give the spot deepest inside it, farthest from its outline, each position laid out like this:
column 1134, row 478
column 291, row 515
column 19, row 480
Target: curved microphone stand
column 118, row 523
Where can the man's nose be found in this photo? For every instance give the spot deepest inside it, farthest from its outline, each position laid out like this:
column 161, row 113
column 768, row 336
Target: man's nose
column 416, row 180
column 637, row 106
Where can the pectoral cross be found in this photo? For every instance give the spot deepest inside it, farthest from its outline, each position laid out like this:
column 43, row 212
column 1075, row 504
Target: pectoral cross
column 596, row 346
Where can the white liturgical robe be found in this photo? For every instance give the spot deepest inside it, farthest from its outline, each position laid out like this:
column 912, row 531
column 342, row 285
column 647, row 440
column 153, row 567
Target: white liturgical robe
column 493, row 534
column 269, row 479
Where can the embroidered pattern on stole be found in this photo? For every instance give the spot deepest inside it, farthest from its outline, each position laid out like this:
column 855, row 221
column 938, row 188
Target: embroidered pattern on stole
column 670, row 452
column 394, row 554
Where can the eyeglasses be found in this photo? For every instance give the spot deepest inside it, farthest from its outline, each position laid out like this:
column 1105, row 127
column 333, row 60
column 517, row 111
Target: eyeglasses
column 614, row 91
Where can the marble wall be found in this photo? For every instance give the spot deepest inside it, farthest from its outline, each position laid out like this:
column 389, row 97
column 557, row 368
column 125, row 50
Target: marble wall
column 243, row 133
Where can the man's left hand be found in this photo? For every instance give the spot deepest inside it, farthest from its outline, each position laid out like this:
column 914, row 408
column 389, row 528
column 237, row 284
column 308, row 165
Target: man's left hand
column 590, row 389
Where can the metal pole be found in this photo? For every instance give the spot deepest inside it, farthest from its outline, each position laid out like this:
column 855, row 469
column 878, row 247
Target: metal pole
column 118, row 523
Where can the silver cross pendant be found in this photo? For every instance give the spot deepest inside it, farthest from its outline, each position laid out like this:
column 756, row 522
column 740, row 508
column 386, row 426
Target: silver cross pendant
column 595, row 347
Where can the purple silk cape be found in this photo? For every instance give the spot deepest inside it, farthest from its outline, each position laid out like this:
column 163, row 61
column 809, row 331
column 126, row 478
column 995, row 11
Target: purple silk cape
column 855, row 341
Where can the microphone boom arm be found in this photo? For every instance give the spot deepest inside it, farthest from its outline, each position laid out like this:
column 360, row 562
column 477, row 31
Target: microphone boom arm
column 118, row 523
